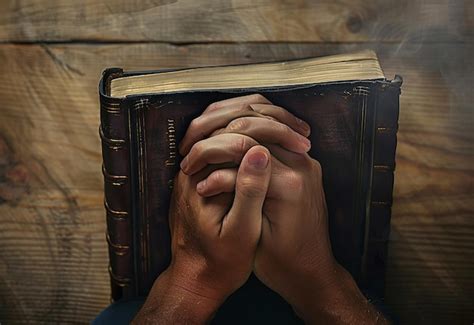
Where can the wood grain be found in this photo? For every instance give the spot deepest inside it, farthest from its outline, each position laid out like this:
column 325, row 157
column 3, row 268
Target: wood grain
column 234, row 20
column 52, row 246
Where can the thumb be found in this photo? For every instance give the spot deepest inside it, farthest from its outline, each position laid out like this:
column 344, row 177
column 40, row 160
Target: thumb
column 245, row 216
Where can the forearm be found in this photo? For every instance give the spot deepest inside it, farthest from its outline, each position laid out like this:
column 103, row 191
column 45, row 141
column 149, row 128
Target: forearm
column 338, row 302
column 170, row 303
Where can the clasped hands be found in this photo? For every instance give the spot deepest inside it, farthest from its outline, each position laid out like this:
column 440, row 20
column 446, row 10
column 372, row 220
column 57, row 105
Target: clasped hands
column 249, row 198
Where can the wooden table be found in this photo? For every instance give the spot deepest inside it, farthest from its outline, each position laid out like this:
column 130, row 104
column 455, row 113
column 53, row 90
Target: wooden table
column 53, row 254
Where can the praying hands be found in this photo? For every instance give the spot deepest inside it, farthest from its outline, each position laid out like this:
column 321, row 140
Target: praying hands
column 249, row 198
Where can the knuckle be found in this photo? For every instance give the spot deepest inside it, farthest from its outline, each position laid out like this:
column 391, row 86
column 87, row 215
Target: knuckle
column 279, row 110
column 238, row 124
column 258, row 98
column 240, row 145
column 259, row 108
column 244, row 107
column 217, row 177
column 251, row 187
column 285, row 129
column 316, row 168
column 294, row 181
column 197, row 149
column 195, row 124
column 212, row 106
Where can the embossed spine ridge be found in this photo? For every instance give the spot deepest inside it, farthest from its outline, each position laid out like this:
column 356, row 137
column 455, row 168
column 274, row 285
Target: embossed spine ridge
column 114, row 137
column 383, row 167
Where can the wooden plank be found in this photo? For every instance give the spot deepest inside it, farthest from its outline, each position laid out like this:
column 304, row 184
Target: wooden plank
column 52, row 246
column 235, row 21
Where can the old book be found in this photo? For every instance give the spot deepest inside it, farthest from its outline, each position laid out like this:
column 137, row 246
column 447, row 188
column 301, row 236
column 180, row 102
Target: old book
column 353, row 112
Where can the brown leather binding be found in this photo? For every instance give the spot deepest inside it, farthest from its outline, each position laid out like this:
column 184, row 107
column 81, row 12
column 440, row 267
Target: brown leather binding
column 383, row 167
column 116, row 170
column 354, row 127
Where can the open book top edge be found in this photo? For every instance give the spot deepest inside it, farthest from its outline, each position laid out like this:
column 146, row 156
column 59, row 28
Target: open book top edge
column 362, row 65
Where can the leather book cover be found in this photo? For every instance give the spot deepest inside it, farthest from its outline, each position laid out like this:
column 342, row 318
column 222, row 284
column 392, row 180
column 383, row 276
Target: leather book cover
column 354, row 125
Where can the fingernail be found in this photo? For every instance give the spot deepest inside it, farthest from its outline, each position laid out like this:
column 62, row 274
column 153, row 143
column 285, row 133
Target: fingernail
column 201, row 185
column 184, row 163
column 258, row 160
column 305, row 142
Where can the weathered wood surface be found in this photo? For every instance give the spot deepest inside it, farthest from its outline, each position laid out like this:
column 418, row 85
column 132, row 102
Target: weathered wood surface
column 52, row 247
column 235, row 20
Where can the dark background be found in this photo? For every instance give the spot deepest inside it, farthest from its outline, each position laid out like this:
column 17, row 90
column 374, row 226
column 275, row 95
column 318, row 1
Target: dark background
column 53, row 257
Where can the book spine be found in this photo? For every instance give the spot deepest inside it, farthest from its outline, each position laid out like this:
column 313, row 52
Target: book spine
column 170, row 121
column 113, row 132
column 383, row 167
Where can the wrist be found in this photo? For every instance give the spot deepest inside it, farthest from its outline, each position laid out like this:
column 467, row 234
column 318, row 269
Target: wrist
column 174, row 300
column 313, row 288
column 337, row 300
column 322, row 296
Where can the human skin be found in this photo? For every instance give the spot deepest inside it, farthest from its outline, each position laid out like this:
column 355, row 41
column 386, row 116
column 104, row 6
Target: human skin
column 214, row 240
column 293, row 254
